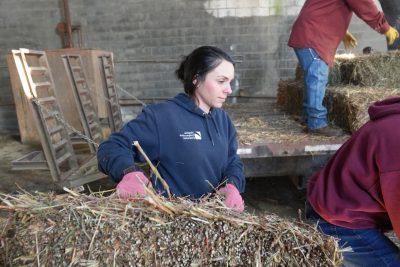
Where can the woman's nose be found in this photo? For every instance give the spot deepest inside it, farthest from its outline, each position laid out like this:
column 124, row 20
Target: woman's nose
column 228, row 89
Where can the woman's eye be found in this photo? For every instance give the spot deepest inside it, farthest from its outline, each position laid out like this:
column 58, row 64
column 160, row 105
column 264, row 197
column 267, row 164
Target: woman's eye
column 221, row 82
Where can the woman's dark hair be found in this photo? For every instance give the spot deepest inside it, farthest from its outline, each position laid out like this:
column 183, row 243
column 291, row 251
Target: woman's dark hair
column 197, row 64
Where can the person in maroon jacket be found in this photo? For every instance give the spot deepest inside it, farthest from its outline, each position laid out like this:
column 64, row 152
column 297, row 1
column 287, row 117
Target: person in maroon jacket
column 356, row 196
column 316, row 34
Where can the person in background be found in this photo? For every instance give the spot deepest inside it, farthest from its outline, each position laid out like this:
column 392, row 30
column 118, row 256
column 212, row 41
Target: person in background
column 190, row 139
column 391, row 8
column 316, row 34
column 356, row 196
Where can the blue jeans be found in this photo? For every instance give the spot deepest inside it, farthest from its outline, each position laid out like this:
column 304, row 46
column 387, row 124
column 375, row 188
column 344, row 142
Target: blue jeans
column 316, row 73
column 395, row 45
column 370, row 247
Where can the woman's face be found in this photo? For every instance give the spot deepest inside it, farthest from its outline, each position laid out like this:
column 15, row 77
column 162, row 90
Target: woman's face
column 213, row 91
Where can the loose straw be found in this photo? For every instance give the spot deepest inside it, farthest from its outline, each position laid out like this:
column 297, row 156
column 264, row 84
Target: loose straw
column 154, row 169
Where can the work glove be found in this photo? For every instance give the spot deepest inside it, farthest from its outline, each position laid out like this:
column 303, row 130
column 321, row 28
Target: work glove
column 349, row 41
column 391, row 35
column 233, row 199
column 132, row 185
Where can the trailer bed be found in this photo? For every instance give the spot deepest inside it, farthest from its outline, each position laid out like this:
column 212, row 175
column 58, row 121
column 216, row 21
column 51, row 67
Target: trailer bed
column 273, row 143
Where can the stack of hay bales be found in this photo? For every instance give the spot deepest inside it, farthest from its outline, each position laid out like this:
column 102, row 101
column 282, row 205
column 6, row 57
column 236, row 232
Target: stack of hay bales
column 354, row 84
column 94, row 230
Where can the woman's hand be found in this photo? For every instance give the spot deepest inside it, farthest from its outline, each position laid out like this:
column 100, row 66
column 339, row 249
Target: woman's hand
column 132, row 185
column 233, row 199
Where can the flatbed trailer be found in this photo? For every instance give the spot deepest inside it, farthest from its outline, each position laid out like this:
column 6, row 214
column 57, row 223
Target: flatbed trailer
column 273, row 143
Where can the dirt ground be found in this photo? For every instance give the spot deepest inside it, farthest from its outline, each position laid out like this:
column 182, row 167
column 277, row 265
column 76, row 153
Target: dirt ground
column 30, row 180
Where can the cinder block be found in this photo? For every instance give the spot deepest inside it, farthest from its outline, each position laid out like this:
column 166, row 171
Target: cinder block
column 260, row 11
column 244, row 12
column 226, row 12
column 242, row 3
column 215, row 4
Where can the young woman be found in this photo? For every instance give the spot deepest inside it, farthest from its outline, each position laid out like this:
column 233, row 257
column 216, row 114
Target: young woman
column 189, row 138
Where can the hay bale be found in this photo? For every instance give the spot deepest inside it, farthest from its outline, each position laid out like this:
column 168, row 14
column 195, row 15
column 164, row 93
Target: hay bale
column 373, row 70
column 290, row 96
column 281, row 95
column 355, row 82
column 76, row 230
column 348, row 105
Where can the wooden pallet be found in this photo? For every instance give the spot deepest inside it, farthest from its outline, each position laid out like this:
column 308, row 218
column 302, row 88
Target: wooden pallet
column 88, row 117
column 38, row 85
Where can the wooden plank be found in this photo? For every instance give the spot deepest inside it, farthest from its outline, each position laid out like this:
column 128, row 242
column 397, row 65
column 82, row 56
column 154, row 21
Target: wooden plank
column 84, row 179
column 80, row 177
column 39, row 122
column 26, row 125
column 37, row 70
column 63, row 89
column 83, row 102
column 60, row 144
column 113, row 107
column 63, row 158
column 32, row 161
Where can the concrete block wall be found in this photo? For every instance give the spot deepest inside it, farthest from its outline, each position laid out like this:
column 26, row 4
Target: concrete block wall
column 153, row 34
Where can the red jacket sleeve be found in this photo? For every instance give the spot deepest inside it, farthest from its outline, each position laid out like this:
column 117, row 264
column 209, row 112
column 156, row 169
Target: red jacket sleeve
column 368, row 12
column 390, row 186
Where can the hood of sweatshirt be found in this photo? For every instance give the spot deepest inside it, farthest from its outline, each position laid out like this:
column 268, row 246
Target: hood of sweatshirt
column 384, row 108
column 187, row 103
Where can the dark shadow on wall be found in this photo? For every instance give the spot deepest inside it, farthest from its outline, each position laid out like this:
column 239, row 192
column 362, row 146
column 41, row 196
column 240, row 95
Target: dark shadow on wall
column 8, row 117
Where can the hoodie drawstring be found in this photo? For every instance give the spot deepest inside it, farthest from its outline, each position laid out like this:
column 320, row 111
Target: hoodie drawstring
column 208, row 128
column 215, row 125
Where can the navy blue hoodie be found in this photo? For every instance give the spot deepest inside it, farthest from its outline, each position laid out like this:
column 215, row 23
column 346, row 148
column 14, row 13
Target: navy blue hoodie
column 194, row 152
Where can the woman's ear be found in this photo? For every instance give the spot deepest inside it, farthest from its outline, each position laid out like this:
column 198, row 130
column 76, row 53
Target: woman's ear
column 195, row 80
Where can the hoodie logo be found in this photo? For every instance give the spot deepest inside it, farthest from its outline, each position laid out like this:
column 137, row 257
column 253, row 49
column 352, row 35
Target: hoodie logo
column 192, row 135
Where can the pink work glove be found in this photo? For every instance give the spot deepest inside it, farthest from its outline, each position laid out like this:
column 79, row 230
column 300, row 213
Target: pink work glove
column 132, row 185
column 233, row 199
